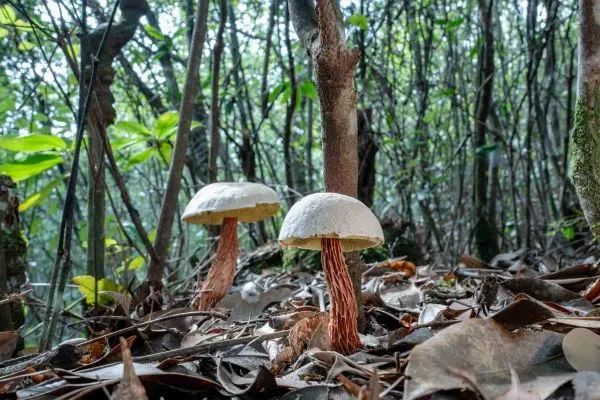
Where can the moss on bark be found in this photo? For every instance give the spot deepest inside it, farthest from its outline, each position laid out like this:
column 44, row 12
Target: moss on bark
column 585, row 153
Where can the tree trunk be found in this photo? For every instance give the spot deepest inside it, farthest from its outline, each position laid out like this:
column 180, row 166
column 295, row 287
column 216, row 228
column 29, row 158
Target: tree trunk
column 484, row 231
column 321, row 32
column 585, row 143
column 214, row 99
column 171, row 194
column 12, row 256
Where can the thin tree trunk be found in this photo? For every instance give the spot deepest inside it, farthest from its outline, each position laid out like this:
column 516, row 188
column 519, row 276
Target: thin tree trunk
column 334, row 63
column 214, row 99
column 485, row 233
column 170, row 197
column 289, row 115
column 585, row 143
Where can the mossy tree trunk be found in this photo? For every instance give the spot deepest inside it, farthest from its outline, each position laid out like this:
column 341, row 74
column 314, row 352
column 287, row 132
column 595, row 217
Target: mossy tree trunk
column 585, row 142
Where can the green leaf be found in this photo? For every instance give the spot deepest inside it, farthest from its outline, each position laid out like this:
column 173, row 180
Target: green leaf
column 568, row 233
column 309, row 89
column 166, row 124
column 359, row 20
column 3, row 33
column 134, row 264
column 486, row 149
column 31, row 166
column 40, row 196
column 22, row 26
column 140, row 157
column 132, row 127
column 25, row 45
column 152, row 235
column 275, row 92
column 166, row 150
column 153, row 32
column 32, row 143
column 86, row 285
column 7, row 15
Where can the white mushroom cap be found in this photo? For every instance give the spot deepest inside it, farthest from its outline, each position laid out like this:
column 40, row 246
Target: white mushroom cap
column 248, row 202
column 330, row 215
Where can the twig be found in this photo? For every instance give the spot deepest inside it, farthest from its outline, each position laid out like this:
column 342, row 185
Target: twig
column 189, row 351
column 16, row 296
column 155, row 321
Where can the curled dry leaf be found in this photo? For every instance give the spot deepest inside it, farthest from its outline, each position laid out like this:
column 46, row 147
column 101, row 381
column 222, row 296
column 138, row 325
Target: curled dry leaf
column 130, row 387
column 582, row 349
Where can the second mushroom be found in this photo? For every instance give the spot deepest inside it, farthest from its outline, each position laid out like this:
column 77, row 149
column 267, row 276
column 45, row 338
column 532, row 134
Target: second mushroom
column 226, row 204
column 334, row 223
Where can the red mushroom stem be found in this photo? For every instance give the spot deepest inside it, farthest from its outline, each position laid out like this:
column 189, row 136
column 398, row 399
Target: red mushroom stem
column 222, row 271
column 343, row 324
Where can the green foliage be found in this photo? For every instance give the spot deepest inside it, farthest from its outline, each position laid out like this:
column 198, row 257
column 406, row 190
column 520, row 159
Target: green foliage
column 30, row 166
column 87, row 284
column 36, row 198
column 359, row 20
column 32, row 143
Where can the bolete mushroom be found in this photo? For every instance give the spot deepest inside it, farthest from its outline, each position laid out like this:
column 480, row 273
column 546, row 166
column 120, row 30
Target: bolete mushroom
column 226, row 204
column 334, row 223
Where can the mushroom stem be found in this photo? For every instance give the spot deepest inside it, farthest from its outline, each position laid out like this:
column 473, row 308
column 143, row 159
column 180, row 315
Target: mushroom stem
column 222, row 271
column 343, row 325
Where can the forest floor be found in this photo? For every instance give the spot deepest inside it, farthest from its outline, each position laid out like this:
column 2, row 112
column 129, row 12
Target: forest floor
column 519, row 327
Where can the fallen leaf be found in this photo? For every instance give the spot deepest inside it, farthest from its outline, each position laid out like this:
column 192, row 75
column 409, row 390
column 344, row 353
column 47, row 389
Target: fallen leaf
column 301, row 335
column 477, row 354
column 245, row 309
column 516, row 392
column 582, row 349
column 130, row 386
column 8, row 344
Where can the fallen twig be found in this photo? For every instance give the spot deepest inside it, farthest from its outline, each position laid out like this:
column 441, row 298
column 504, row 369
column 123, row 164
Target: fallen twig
column 189, row 351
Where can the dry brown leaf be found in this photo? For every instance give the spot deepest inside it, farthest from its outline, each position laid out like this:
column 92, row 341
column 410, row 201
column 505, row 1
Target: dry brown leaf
column 516, row 392
column 407, row 268
column 302, row 333
column 582, row 349
column 476, row 355
column 8, row 344
column 130, row 387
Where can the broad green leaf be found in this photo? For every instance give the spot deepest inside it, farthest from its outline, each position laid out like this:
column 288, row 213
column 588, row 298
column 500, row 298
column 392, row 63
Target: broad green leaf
column 40, row 196
column 110, row 242
column 7, row 15
column 132, row 127
column 31, row 166
column 3, row 33
column 275, row 92
column 32, row 143
column 140, row 157
column 86, row 286
column 153, row 32
column 359, row 20
column 22, row 26
column 134, row 264
column 25, row 45
column 165, row 151
column 166, row 124
column 309, row 89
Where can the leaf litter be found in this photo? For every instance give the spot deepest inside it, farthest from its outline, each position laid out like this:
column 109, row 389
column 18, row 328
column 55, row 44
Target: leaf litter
column 518, row 327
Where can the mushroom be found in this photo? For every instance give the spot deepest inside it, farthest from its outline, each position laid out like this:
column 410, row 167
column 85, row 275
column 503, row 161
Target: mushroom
column 227, row 203
column 334, row 223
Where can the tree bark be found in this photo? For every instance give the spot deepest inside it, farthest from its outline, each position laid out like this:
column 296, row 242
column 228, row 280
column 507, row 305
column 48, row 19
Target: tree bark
column 585, row 143
column 170, row 197
column 484, row 231
column 213, row 123
column 321, row 33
